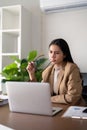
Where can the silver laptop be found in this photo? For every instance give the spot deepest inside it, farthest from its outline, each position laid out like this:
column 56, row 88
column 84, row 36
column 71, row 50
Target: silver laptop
column 30, row 97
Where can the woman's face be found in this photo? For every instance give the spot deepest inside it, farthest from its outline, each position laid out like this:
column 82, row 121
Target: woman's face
column 56, row 55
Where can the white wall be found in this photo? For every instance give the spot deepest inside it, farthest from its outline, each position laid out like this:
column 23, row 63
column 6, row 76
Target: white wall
column 72, row 26
column 34, row 9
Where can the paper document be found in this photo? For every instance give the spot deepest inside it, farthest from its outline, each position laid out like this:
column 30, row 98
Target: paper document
column 2, row 127
column 3, row 100
column 75, row 112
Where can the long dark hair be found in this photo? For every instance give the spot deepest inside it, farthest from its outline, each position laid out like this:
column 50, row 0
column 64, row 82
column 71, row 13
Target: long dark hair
column 64, row 47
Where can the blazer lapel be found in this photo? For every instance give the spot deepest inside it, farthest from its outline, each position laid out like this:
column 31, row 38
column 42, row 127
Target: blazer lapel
column 52, row 80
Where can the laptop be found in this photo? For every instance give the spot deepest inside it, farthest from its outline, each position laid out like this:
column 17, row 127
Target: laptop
column 30, row 97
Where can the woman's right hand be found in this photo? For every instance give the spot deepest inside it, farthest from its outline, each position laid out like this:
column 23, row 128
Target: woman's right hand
column 31, row 70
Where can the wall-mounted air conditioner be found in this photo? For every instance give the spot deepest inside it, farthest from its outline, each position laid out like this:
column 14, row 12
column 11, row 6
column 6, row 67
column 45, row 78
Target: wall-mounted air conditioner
column 49, row 6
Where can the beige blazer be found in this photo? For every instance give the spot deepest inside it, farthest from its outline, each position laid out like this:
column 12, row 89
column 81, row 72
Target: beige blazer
column 69, row 85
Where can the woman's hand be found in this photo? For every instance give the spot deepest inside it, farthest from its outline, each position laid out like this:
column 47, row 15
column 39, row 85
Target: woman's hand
column 31, row 71
column 53, row 99
column 31, row 67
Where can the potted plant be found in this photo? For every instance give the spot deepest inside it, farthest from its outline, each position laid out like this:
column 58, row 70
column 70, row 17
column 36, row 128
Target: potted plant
column 16, row 71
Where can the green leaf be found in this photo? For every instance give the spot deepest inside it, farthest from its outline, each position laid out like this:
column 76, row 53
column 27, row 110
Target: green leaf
column 39, row 75
column 40, row 62
column 16, row 71
column 16, row 59
column 32, row 55
column 10, row 66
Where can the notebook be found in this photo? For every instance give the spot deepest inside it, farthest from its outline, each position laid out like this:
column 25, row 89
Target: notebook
column 30, row 97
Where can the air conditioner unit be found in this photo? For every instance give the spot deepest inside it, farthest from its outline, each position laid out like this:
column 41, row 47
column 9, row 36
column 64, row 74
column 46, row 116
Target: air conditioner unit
column 49, row 6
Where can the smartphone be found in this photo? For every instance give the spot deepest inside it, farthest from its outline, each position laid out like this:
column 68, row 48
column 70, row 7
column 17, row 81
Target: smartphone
column 85, row 110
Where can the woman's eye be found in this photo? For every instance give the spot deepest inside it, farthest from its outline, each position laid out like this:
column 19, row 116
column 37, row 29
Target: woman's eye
column 57, row 53
column 50, row 51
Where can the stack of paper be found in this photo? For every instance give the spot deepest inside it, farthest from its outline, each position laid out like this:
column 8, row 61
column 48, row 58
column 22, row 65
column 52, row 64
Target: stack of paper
column 75, row 112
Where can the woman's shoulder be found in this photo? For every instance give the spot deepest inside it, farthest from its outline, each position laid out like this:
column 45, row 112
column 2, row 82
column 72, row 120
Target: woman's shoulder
column 71, row 66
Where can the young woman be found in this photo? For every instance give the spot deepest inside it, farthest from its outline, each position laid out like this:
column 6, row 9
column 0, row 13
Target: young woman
column 62, row 74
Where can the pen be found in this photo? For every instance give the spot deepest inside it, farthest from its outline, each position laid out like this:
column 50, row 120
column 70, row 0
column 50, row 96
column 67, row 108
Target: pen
column 84, row 117
column 77, row 117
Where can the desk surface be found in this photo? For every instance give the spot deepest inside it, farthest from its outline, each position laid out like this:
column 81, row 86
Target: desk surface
column 20, row 121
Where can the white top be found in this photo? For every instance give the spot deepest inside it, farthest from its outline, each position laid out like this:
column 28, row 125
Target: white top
column 56, row 72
